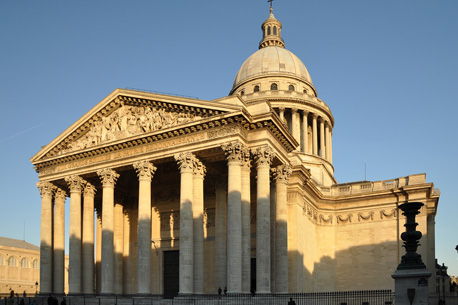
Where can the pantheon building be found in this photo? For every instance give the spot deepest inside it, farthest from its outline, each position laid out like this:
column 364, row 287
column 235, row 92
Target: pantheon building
column 178, row 196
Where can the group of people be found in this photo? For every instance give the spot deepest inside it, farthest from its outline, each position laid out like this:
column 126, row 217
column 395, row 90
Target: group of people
column 52, row 300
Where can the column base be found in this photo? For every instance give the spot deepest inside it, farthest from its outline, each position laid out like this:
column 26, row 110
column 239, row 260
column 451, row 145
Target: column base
column 411, row 285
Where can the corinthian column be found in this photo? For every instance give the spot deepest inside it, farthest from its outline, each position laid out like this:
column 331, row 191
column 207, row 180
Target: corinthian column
column 305, row 127
column 282, row 114
column 75, row 183
column 295, row 127
column 108, row 177
column 322, row 139
column 263, row 158
column 234, row 156
column 88, row 238
column 220, row 232
column 281, row 175
column 198, row 226
column 315, row 135
column 47, row 190
column 59, row 241
column 145, row 171
column 246, row 225
column 186, row 163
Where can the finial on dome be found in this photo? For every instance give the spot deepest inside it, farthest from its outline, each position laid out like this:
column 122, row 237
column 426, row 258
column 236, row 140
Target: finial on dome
column 271, row 31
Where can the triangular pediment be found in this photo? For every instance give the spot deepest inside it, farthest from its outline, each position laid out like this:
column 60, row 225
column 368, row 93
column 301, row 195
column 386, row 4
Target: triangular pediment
column 126, row 114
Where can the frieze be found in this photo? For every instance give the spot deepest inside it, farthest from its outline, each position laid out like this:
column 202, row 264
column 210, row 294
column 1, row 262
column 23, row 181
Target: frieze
column 226, row 131
column 325, row 219
column 116, row 155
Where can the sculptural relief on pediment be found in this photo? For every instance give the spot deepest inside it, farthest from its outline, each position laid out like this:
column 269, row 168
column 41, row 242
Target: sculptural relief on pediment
column 128, row 121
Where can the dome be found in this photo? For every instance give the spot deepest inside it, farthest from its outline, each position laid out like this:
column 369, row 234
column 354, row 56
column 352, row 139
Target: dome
column 272, row 60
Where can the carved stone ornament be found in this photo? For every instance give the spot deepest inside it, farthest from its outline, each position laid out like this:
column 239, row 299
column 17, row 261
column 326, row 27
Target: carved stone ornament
column 343, row 219
column 234, row 151
column 185, row 161
column 363, row 216
column 144, row 169
column 263, row 155
column 89, row 190
column 75, row 183
column 324, row 219
column 46, row 188
column 60, row 194
column 282, row 173
column 199, row 169
column 128, row 121
column 390, row 214
column 108, row 176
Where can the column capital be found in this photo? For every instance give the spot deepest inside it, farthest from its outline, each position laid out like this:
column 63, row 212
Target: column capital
column 282, row 173
column 145, row 170
column 294, row 110
column 322, row 119
column 281, row 108
column 185, row 161
column 108, row 176
column 75, row 183
column 46, row 188
column 234, row 151
column 246, row 159
column 305, row 112
column 263, row 155
column 200, row 170
column 60, row 194
column 315, row 115
column 89, row 190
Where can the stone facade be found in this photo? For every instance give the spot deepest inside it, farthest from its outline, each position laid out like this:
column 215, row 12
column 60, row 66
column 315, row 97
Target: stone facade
column 241, row 183
column 20, row 267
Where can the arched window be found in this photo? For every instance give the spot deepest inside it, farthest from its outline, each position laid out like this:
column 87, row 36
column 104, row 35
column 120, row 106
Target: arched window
column 242, row 92
column 268, row 30
column 12, row 261
column 36, row 264
column 24, row 263
column 305, row 91
column 274, row 86
column 256, row 88
column 291, row 88
column 275, row 30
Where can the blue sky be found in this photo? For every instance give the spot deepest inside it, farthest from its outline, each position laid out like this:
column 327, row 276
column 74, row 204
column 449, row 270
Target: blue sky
column 387, row 69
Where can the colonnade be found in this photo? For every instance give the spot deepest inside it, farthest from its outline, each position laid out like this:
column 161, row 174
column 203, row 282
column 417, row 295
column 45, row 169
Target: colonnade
column 311, row 130
column 232, row 227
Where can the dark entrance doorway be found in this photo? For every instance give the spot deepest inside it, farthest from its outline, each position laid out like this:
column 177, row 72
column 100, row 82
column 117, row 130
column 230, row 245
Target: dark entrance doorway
column 171, row 274
column 253, row 275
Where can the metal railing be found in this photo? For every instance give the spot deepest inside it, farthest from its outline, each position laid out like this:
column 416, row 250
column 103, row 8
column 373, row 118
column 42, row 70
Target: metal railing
column 369, row 297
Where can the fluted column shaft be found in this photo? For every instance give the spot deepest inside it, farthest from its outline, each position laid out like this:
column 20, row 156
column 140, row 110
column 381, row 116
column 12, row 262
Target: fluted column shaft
column 220, row 233
column 118, row 248
column 47, row 190
column 305, row 135
column 282, row 174
column 295, row 126
column 263, row 159
column 315, row 135
column 234, row 155
column 108, row 177
column 59, row 242
column 186, row 280
column 75, row 184
column 322, row 139
column 145, row 171
column 246, row 224
column 198, row 226
column 326, row 133
column 88, row 239
column 98, row 253
column 282, row 114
